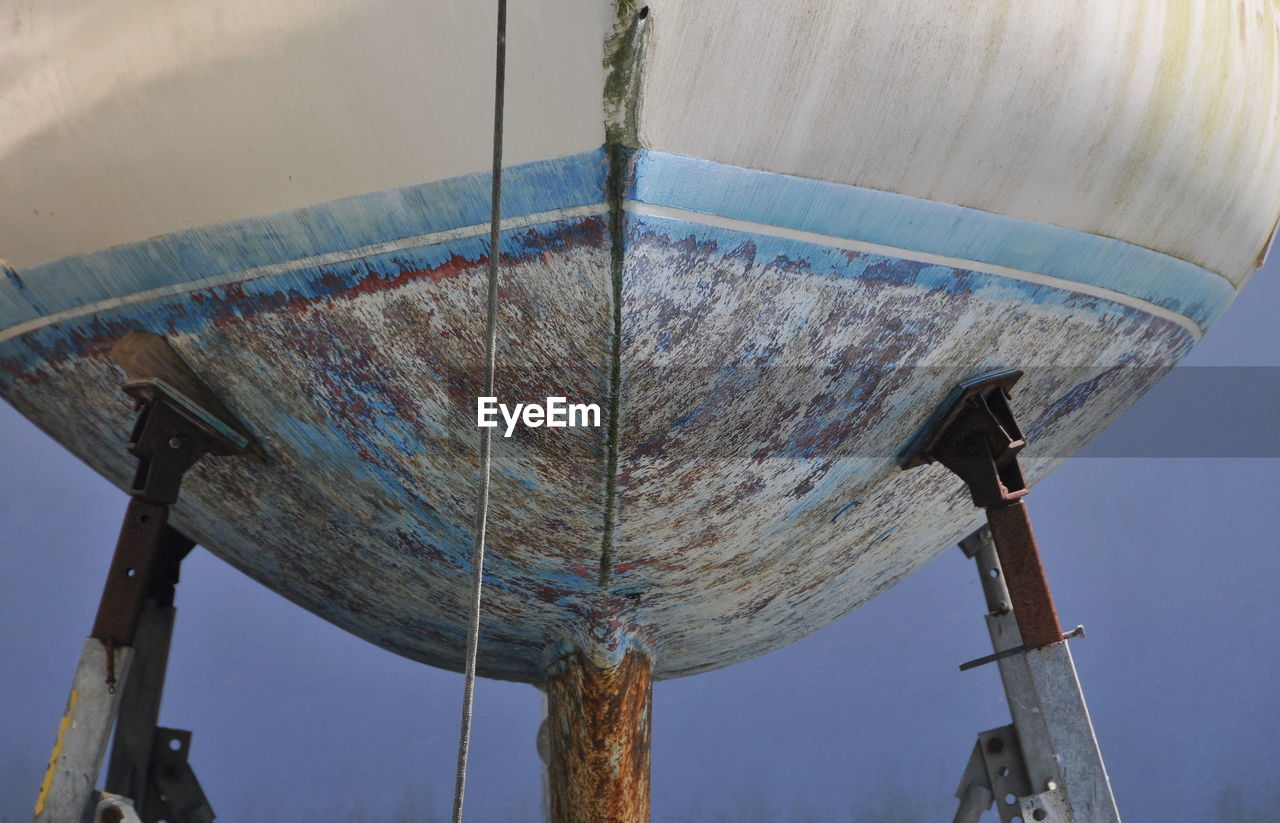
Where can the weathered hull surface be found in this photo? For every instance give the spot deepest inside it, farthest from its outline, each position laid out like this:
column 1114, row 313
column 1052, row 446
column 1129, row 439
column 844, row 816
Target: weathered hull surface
column 812, row 219
column 769, row 374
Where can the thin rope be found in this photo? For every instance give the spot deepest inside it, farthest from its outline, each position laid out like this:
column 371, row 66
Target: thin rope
column 486, row 436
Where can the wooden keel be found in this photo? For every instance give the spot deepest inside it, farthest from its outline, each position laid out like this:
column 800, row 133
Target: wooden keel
column 598, row 722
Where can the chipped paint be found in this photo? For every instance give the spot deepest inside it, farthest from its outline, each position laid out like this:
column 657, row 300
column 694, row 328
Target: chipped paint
column 768, row 382
column 767, row 377
column 46, row 783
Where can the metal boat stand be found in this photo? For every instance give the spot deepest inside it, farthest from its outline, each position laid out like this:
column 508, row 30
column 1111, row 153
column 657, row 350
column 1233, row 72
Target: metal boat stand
column 120, row 677
column 1046, row 766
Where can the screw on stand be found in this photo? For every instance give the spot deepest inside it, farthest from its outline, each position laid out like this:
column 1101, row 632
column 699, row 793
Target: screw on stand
column 977, row 437
column 1046, row 766
column 179, row 421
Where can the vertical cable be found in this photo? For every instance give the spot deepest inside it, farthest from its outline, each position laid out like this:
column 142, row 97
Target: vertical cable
column 486, row 436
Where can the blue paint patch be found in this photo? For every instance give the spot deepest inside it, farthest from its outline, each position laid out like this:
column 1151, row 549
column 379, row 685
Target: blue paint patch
column 909, row 223
column 884, row 535
column 192, row 311
column 16, row 302
column 657, row 178
column 843, row 509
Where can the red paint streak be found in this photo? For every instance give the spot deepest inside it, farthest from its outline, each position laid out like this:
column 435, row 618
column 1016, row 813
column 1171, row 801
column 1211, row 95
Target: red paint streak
column 231, row 304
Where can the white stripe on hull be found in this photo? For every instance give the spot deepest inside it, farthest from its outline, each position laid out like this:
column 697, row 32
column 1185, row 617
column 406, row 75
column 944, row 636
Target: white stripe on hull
column 633, row 207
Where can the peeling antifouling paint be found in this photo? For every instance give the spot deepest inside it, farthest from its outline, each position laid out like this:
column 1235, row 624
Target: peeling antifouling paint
column 767, row 363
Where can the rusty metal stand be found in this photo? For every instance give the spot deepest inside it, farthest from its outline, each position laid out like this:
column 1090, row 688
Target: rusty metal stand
column 1046, row 767
column 122, row 667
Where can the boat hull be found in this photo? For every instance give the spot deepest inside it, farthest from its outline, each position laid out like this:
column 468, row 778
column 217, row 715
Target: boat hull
column 769, row 375
column 766, row 239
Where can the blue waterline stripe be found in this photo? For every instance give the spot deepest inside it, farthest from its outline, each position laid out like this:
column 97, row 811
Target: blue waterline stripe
column 351, row 222
column 913, row 224
column 757, row 249
column 658, row 179
column 311, row 281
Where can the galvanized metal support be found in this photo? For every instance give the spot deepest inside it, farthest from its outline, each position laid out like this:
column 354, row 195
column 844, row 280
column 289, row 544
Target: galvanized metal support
column 598, row 732
column 121, row 674
column 129, row 767
column 141, row 753
column 1046, row 766
column 1035, row 760
column 81, row 744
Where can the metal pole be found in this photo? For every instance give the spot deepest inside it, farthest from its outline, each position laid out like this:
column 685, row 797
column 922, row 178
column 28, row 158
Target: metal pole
column 1024, row 574
column 599, row 725
column 1019, row 690
column 976, row 435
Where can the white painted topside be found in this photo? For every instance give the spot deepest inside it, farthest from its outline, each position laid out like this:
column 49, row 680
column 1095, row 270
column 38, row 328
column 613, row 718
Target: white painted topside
column 124, row 119
column 1153, row 121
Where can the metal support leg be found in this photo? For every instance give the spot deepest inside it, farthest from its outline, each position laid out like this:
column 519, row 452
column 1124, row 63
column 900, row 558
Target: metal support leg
column 81, row 744
column 129, row 770
column 174, row 794
column 1046, row 767
column 135, row 619
column 1048, row 761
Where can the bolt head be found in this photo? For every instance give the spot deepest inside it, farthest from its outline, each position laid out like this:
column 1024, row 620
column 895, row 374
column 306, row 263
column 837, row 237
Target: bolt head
column 175, row 442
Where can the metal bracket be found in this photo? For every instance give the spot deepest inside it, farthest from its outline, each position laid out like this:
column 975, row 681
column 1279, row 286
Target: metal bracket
column 169, row 436
column 174, row 794
column 977, row 437
column 995, row 775
column 171, row 433
column 173, row 430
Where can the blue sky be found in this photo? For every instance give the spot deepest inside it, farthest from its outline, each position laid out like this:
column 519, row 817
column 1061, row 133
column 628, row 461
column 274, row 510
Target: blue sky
column 1171, row 564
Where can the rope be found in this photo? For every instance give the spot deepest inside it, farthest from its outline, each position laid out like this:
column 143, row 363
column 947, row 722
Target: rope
column 486, row 434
